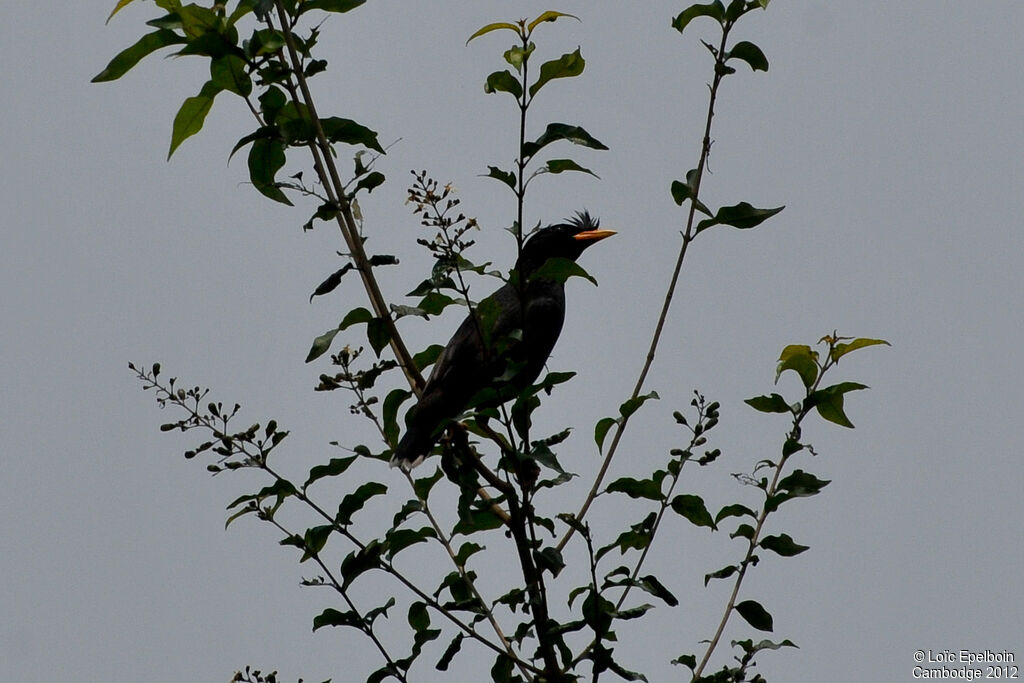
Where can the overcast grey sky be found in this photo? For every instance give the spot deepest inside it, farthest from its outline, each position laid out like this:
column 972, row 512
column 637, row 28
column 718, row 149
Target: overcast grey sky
column 893, row 133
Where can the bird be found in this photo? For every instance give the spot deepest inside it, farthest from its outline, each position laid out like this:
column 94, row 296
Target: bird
column 504, row 343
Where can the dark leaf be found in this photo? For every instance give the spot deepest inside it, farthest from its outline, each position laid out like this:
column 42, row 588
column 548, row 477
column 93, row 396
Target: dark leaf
column 345, row 130
column 749, row 53
column 723, row 573
column 315, row 540
column 632, row 405
column 360, row 561
column 755, row 615
column 562, row 165
column 332, row 281
column 266, row 157
column 560, row 270
column 369, row 182
column 734, row 510
column 637, row 488
column 829, row 402
column 228, row 73
column 378, row 333
column 450, row 652
column 566, row 66
column 782, row 544
column 742, row 216
column 503, row 81
column 504, row 176
column 601, row 430
column 692, row 508
column 561, row 131
column 330, row 5
column 768, row 404
column 653, row 586
column 549, row 559
column 715, row 10
column 332, row 617
column 332, row 469
column 353, row 502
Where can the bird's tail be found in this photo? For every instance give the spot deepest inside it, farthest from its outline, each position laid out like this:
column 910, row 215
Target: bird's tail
column 410, row 451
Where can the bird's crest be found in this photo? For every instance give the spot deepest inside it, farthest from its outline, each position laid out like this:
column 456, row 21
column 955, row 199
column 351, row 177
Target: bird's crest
column 583, row 221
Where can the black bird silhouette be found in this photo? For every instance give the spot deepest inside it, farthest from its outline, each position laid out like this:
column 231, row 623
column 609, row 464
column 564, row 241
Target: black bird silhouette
column 504, row 343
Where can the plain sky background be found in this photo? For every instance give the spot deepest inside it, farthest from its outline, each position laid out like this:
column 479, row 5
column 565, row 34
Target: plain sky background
column 893, row 133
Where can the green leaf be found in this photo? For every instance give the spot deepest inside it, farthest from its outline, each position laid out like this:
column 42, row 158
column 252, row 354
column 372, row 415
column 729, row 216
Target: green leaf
column 190, row 117
column 749, row 53
column 266, row 157
column 548, row 16
column 419, row 618
column 228, row 73
column 264, row 132
column 330, row 5
column 601, row 430
column 315, row 540
column 798, row 484
column 755, row 615
column 503, row 81
column 843, row 348
column 561, row 165
column 332, row 617
column 496, row 26
column 801, row 359
column 504, row 176
column 354, row 502
column 121, row 4
column 560, row 269
column 768, row 404
column 332, row 469
column 129, row 57
column 782, row 544
column 715, row 10
column 549, row 559
column 638, row 488
column 742, row 216
column 692, row 508
column 322, row 343
column 567, row 66
column 829, row 402
column 516, row 55
column 630, row 406
column 348, row 131
column 561, row 131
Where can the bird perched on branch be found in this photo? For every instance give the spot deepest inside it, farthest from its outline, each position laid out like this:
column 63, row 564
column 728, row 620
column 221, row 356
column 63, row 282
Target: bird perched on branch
column 504, row 342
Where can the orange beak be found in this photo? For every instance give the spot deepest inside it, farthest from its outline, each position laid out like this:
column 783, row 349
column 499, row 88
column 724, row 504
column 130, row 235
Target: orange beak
column 592, row 235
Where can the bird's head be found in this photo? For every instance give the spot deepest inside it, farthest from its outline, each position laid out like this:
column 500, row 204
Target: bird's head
column 562, row 240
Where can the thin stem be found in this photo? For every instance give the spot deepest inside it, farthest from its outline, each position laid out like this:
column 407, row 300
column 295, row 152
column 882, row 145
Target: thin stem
column 326, row 169
column 756, row 536
column 336, row 585
column 688, row 236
